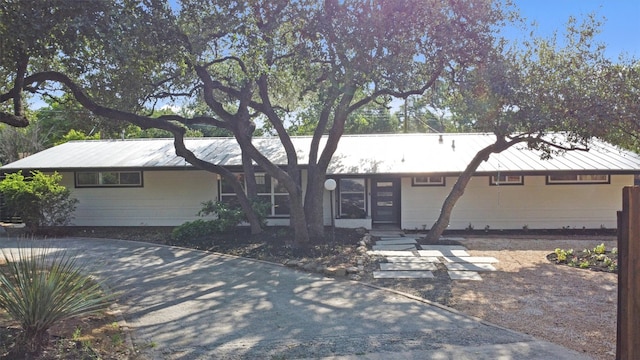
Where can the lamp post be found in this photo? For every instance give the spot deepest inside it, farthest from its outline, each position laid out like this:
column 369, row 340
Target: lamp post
column 330, row 185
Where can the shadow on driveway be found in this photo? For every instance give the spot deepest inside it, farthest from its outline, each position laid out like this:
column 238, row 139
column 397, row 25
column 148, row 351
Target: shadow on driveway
column 189, row 304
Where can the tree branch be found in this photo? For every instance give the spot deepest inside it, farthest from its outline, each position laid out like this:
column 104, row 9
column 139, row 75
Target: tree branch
column 226, row 58
column 195, row 121
column 400, row 94
column 13, row 120
column 21, row 70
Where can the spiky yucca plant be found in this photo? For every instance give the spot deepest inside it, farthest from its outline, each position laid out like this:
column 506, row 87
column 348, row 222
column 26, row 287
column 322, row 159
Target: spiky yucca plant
column 40, row 287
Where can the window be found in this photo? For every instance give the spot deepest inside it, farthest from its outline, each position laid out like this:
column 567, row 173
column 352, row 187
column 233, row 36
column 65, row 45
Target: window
column 227, row 194
column 109, row 179
column 269, row 190
column 507, row 180
column 352, row 199
column 427, row 181
column 578, row 178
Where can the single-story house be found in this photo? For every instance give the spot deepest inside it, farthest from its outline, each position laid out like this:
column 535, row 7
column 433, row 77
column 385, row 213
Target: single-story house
column 398, row 179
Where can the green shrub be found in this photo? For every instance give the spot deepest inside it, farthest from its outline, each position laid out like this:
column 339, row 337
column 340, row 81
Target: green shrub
column 39, row 288
column 193, row 232
column 600, row 249
column 228, row 216
column 39, row 200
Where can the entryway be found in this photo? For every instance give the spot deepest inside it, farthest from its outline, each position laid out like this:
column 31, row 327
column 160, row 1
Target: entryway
column 385, row 202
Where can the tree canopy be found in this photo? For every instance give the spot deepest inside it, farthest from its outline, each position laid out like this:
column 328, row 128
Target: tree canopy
column 548, row 95
column 245, row 60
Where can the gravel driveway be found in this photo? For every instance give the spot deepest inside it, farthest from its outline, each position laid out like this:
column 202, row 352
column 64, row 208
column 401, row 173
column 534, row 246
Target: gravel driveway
column 188, row 304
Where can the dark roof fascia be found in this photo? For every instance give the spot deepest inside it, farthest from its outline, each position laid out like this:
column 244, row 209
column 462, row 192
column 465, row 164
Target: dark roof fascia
column 137, row 168
column 234, row 168
column 490, row 173
column 348, row 175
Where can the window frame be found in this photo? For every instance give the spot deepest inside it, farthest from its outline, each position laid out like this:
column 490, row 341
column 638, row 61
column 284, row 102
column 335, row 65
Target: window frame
column 101, row 175
column 416, row 182
column 493, row 182
column 273, row 185
column 578, row 180
column 343, row 215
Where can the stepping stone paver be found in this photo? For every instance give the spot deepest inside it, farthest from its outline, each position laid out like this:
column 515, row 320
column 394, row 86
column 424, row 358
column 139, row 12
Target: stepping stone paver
column 386, row 234
column 403, row 275
column 443, row 252
column 464, row 275
column 470, row 266
column 400, row 247
column 399, row 241
column 391, row 253
column 471, row 259
column 443, row 247
column 403, row 262
column 414, row 259
column 408, row 266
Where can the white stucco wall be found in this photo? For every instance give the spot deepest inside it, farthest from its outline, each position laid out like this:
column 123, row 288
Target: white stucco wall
column 534, row 204
column 168, row 198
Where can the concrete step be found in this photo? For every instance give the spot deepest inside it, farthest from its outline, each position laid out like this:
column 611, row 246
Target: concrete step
column 464, row 275
column 471, row 259
column 396, row 241
column 470, row 267
column 443, row 252
column 403, row 275
column 408, row 266
column 414, row 259
column 395, row 247
column 391, row 253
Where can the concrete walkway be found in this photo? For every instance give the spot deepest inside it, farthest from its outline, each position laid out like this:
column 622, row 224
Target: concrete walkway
column 187, row 304
column 405, row 259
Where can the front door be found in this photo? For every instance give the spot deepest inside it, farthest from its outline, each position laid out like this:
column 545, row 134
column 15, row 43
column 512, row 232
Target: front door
column 385, row 198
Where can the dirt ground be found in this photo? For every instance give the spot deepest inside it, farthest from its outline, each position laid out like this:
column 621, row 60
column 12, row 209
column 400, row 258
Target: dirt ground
column 572, row 307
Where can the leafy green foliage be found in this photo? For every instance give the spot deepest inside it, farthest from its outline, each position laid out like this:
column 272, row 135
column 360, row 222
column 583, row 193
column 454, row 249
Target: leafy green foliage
column 40, row 287
column 247, row 61
column 228, row 216
column 77, row 135
column 194, row 232
column 39, row 200
column 596, row 258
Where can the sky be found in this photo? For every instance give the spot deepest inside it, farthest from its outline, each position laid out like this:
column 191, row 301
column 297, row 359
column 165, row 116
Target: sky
column 620, row 31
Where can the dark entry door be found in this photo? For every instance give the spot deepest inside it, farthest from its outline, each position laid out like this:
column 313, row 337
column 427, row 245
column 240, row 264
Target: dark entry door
column 385, row 198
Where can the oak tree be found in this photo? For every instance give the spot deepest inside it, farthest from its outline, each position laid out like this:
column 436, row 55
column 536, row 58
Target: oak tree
column 246, row 60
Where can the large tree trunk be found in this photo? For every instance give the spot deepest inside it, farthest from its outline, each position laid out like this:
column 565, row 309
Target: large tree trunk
column 298, row 221
column 249, row 176
column 313, row 204
column 458, row 189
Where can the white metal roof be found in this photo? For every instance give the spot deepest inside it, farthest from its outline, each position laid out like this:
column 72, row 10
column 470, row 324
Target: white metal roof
column 356, row 154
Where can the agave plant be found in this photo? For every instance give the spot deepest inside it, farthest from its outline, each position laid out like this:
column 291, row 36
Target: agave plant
column 40, row 287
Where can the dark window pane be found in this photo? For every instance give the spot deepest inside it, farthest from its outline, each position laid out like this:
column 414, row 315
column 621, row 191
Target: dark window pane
column 109, row 178
column 226, row 188
column 281, row 206
column 263, row 184
column 278, row 188
column 352, row 185
column 229, row 199
column 565, row 177
column 130, row 178
column 87, row 178
column 352, row 206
